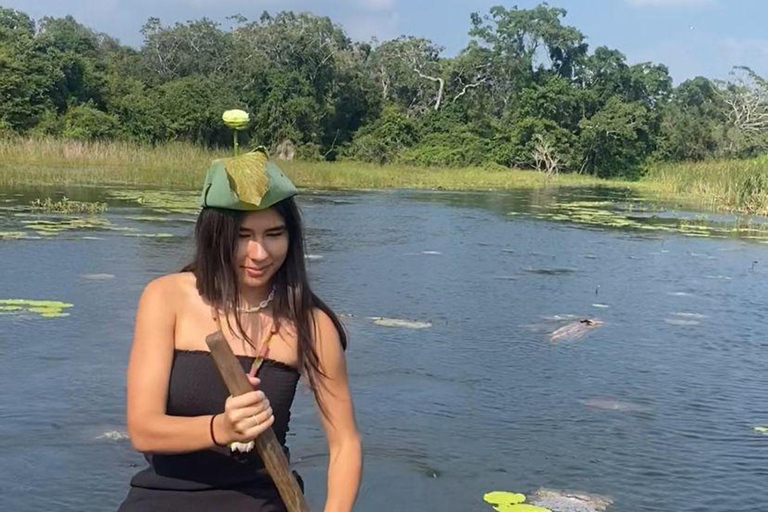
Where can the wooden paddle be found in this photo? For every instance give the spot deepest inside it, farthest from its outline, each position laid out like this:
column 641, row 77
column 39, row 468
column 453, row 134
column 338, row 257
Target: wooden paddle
column 268, row 447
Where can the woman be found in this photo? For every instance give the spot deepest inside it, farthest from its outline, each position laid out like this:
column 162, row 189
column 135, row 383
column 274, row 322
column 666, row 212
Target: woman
column 248, row 280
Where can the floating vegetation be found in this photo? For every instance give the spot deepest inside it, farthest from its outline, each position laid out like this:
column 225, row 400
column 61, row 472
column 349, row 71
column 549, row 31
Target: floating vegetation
column 566, row 501
column 608, row 404
column 681, row 322
column 511, row 502
column 114, row 435
column 551, row 271
column 148, row 218
column 17, row 235
column 150, row 235
column 558, row 318
column 44, row 308
column 503, row 497
column 761, row 430
column 648, row 217
column 98, row 277
column 576, row 330
column 65, row 205
column 690, row 315
column 396, row 322
column 55, row 227
column 161, row 201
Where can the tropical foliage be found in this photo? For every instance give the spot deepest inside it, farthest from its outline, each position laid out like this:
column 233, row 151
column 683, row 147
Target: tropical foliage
column 526, row 92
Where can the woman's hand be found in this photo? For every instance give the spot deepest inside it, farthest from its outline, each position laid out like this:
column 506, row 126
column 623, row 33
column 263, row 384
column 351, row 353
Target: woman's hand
column 245, row 417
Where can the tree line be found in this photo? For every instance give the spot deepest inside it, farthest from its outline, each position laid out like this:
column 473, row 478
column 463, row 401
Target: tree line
column 525, row 92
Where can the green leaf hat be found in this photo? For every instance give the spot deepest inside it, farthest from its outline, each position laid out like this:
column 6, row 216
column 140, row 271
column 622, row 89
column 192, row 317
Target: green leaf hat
column 248, row 182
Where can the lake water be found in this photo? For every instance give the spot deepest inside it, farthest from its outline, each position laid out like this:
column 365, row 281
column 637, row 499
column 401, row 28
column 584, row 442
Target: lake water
column 655, row 409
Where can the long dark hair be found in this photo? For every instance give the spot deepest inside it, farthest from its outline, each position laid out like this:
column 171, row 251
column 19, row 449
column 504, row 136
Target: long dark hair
column 215, row 267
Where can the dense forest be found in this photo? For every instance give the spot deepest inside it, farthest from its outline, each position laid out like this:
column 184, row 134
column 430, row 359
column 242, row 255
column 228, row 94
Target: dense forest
column 526, row 92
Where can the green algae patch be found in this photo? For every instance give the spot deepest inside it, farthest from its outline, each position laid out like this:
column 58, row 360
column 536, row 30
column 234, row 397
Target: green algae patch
column 43, row 308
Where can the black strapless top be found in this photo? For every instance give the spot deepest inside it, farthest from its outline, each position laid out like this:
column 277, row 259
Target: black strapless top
column 196, row 389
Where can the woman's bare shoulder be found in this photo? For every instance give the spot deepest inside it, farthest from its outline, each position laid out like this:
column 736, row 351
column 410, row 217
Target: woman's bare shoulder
column 172, row 287
column 324, row 325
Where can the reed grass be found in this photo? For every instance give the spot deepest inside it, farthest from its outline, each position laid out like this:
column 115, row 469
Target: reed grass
column 58, row 162
column 729, row 185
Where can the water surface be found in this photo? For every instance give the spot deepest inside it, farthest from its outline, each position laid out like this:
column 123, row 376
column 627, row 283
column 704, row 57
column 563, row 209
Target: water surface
column 656, row 408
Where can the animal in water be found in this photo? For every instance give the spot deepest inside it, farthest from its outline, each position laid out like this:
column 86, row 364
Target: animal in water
column 576, row 330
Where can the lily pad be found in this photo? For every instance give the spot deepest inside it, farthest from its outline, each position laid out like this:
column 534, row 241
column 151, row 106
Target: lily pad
column 44, row 308
column 520, row 507
column 504, row 497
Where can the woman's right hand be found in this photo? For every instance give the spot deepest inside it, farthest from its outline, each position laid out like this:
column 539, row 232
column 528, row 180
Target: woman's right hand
column 245, row 417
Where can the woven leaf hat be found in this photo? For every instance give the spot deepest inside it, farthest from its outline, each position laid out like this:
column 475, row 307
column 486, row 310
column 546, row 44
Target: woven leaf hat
column 248, row 182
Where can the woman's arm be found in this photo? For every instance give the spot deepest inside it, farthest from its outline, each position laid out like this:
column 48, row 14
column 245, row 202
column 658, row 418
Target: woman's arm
column 346, row 455
column 150, row 428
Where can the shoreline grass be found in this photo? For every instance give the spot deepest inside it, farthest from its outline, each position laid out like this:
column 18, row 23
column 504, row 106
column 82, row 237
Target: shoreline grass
column 733, row 186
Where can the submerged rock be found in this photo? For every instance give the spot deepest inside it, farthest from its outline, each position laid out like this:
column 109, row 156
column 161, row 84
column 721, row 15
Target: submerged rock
column 569, row 501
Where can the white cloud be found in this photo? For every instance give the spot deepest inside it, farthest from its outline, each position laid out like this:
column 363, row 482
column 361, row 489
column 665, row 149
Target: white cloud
column 671, row 3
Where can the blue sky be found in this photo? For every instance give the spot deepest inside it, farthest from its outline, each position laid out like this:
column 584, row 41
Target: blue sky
column 692, row 37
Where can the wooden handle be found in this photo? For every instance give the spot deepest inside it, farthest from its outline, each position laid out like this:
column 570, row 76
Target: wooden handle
column 268, row 447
